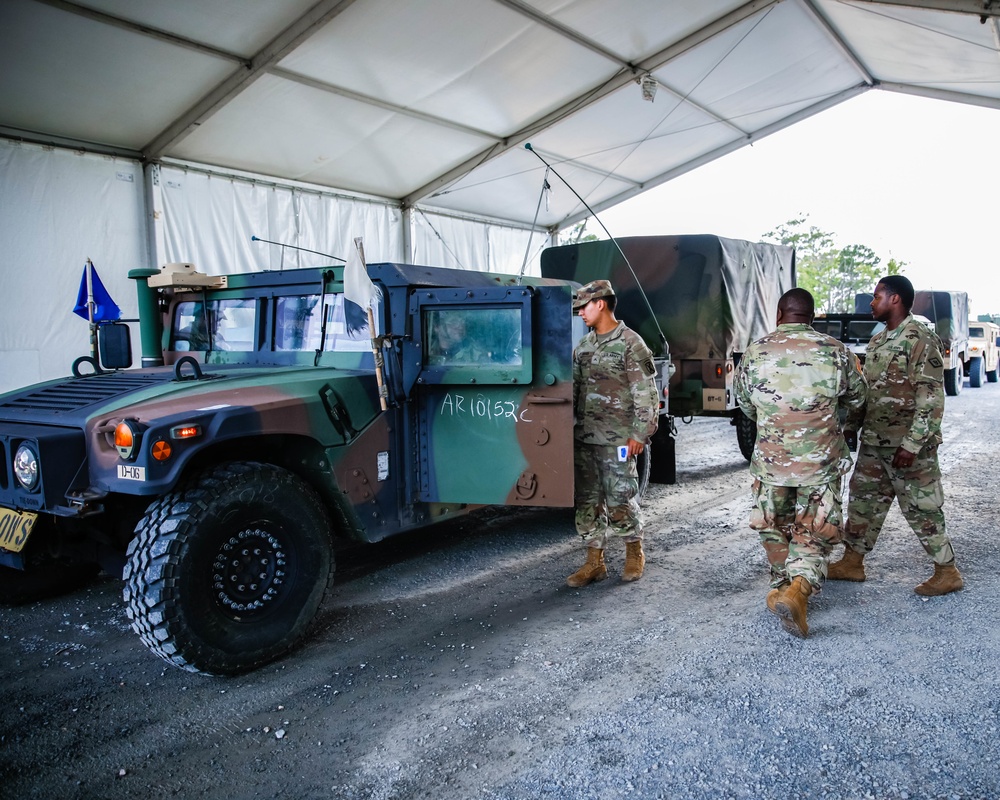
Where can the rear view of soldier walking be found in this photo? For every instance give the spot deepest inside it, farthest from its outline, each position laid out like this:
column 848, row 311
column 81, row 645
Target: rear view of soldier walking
column 616, row 407
column 900, row 434
column 793, row 382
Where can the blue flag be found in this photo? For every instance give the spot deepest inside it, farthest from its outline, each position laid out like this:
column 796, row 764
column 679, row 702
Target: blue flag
column 105, row 309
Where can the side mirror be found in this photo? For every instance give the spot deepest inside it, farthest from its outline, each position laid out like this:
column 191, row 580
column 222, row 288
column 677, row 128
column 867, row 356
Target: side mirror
column 114, row 345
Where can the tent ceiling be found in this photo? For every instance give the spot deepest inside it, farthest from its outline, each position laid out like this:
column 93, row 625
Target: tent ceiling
column 430, row 103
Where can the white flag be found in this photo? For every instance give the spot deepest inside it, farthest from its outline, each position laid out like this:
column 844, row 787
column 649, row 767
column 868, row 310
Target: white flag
column 358, row 287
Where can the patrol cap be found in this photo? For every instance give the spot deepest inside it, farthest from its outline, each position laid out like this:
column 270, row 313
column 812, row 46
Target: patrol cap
column 592, row 291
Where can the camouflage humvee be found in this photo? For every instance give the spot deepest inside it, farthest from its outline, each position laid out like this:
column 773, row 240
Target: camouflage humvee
column 215, row 477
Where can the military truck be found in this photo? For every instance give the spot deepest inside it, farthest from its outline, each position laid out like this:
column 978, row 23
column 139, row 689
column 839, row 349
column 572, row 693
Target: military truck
column 710, row 296
column 854, row 330
column 264, row 422
column 984, row 352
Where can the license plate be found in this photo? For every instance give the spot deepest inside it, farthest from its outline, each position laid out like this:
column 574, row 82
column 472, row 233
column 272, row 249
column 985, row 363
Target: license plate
column 129, row 473
column 15, row 527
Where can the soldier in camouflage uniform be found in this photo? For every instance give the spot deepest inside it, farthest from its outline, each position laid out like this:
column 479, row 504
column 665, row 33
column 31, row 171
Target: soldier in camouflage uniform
column 615, row 405
column 793, row 383
column 900, row 434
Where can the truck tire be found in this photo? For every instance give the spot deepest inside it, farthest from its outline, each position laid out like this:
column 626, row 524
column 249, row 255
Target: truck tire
column 991, row 375
column 953, row 380
column 663, row 464
column 746, row 433
column 188, row 589
column 976, row 372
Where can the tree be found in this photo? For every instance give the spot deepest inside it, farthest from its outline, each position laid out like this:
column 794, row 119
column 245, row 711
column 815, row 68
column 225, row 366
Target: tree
column 832, row 275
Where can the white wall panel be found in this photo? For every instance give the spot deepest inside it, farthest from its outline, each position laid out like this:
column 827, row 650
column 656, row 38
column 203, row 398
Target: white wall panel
column 57, row 209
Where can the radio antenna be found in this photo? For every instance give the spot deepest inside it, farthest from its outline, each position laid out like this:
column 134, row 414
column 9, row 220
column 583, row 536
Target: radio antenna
column 294, row 247
column 656, row 322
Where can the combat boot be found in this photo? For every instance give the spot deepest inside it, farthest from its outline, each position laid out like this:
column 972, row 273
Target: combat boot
column 850, row 568
column 635, row 560
column 593, row 570
column 946, row 579
column 790, row 606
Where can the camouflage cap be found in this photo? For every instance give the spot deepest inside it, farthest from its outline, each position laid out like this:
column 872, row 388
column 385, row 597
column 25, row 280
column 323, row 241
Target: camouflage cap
column 592, row 291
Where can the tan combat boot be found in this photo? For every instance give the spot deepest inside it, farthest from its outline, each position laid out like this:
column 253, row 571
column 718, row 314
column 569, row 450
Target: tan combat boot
column 946, row 579
column 635, row 560
column 593, row 570
column 850, row 568
column 790, row 607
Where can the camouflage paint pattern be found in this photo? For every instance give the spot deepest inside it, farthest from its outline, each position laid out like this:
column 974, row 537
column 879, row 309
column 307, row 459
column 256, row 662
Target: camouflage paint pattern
column 905, row 371
column 316, row 413
column 793, row 383
column 798, row 527
column 711, row 297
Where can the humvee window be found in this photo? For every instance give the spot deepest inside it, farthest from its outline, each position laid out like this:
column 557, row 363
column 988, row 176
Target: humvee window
column 831, row 327
column 977, row 333
column 227, row 325
column 298, row 324
column 861, row 331
column 468, row 337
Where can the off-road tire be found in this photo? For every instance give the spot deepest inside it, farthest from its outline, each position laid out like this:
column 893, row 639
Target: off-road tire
column 991, row 375
column 953, row 380
column 975, row 372
column 188, row 589
column 746, row 433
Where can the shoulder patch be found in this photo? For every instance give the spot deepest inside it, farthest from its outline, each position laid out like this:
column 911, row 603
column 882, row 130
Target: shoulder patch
column 648, row 367
column 935, row 362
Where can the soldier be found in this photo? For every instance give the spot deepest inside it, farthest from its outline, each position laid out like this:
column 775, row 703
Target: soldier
column 900, row 434
column 616, row 407
column 794, row 382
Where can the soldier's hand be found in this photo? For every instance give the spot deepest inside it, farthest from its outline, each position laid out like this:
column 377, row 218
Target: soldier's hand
column 634, row 448
column 903, row 458
column 851, row 437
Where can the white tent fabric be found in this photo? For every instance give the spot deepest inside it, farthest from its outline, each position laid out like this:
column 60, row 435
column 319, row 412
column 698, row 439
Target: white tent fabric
column 302, row 121
column 57, row 209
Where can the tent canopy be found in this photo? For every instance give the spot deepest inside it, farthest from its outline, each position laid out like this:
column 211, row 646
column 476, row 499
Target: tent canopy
column 430, row 104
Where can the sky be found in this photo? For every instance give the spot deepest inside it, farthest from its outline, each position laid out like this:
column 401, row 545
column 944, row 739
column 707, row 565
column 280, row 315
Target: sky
column 914, row 179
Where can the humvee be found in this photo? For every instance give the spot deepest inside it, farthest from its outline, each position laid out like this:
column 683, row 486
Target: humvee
column 267, row 419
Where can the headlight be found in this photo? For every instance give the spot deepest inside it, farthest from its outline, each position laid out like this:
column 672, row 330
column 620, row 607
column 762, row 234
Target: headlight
column 127, row 436
column 26, row 466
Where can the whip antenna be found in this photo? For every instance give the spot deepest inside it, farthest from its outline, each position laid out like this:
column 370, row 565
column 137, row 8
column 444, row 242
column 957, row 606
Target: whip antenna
column 656, row 322
column 295, row 247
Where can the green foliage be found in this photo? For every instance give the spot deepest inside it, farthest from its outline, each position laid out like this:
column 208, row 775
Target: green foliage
column 577, row 234
column 833, row 275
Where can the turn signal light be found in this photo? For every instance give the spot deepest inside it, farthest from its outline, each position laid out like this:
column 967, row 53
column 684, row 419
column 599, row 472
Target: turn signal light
column 185, row 431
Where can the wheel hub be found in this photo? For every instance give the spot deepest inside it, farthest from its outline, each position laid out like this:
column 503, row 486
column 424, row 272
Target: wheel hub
column 248, row 571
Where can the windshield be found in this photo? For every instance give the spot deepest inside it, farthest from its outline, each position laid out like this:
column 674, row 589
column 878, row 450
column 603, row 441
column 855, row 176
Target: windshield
column 977, row 333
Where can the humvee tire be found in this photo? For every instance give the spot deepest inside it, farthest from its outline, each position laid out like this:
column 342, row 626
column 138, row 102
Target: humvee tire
column 189, row 590
column 953, row 380
column 746, row 433
column 976, row 372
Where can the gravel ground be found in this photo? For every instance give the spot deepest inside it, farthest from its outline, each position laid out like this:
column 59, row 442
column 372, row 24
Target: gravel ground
column 455, row 663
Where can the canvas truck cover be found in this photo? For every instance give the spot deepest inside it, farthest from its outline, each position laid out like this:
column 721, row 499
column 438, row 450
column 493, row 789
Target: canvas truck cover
column 949, row 311
column 712, row 296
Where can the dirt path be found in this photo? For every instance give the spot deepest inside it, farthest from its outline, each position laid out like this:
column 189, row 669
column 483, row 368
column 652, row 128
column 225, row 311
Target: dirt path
column 456, row 663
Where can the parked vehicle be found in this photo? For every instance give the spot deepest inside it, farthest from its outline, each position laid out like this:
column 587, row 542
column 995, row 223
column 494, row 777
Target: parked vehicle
column 261, row 425
column 984, row 352
column 710, row 297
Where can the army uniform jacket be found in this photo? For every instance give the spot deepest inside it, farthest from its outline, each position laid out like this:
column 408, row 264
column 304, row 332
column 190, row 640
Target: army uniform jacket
column 793, row 382
column 905, row 372
column 614, row 394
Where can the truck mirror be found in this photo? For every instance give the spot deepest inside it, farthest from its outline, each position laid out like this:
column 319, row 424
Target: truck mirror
column 114, row 345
